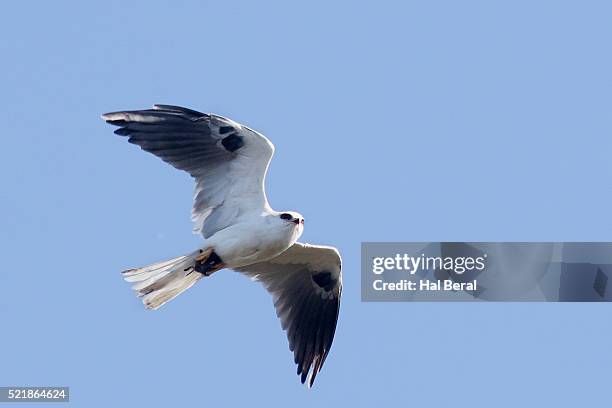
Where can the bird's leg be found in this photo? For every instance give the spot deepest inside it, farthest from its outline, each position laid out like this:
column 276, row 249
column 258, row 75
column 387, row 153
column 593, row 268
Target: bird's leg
column 208, row 262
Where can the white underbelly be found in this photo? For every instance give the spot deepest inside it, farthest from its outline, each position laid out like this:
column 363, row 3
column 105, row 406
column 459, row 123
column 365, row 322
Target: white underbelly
column 248, row 243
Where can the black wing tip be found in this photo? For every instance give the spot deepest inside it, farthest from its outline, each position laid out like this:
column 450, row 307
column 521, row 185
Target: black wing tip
column 110, row 118
column 305, row 376
column 123, row 131
column 312, row 379
column 174, row 110
column 116, row 122
column 107, row 117
column 310, row 373
column 159, row 113
column 121, row 123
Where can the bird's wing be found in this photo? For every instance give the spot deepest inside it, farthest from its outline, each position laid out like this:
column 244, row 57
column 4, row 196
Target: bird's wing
column 306, row 283
column 228, row 161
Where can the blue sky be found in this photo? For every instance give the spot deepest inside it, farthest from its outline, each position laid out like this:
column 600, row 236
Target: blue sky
column 393, row 121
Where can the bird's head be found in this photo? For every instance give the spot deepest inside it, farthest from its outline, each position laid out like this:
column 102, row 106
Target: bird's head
column 292, row 219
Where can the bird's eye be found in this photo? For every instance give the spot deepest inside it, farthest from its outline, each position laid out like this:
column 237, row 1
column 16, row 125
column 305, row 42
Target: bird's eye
column 286, row 216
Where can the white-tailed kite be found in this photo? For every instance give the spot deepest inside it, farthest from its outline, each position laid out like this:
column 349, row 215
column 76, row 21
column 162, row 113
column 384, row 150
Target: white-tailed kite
column 241, row 231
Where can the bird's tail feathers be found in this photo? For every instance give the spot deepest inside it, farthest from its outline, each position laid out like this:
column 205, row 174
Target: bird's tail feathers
column 161, row 282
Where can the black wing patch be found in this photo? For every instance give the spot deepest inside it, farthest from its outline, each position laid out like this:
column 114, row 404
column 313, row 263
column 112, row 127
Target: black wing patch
column 325, row 280
column 232, row 142
column 225, row 129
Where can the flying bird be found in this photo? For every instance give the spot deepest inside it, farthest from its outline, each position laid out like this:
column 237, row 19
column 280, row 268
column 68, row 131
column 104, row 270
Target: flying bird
column 241, row 231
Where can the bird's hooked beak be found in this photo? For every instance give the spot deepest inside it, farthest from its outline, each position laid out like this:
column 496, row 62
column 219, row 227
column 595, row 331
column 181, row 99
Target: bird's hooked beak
column 298, row 221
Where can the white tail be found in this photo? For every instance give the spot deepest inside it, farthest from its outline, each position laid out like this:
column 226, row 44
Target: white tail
column 161, row 282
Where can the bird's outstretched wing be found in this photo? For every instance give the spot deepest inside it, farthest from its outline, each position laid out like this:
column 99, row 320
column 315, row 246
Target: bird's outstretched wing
column 228, row 161
column 306, row 283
